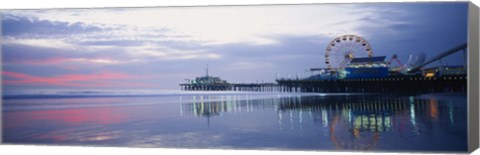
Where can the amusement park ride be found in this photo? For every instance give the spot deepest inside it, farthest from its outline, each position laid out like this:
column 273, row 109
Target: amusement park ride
column 351, row 56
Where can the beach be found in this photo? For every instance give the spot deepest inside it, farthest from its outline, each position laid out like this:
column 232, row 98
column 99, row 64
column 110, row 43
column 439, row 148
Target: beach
column 239, row 120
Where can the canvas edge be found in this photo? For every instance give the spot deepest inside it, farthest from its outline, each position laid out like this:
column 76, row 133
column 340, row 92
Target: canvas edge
column 473, row 76
column 473, row 69
column 231, row 5
column 1, row 80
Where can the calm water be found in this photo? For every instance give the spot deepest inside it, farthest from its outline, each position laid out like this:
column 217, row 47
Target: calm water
column 241, row 121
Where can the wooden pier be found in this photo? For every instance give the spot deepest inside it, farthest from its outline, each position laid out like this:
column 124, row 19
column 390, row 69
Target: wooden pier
column 400, row 84
column 257, row 87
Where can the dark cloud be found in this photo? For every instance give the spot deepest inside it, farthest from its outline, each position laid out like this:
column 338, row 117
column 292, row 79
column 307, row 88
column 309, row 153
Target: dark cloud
column 21, row 26
column 245, row 62
column 286, row 45
column 22, row 53
column 429, row 28
column 47, row 70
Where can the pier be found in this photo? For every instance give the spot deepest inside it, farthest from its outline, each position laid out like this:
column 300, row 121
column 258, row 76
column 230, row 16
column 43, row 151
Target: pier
column 416, row 85
column 401, row 84
column 370, row 74
column 256, row 87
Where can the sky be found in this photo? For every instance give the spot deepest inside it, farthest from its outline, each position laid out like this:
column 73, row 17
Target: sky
column 158, row 48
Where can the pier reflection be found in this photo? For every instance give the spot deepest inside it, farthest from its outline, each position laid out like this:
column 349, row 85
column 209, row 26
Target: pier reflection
column 350, row 122
column 206, row 106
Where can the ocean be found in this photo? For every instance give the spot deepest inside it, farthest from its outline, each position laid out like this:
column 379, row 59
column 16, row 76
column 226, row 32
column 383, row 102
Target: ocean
column 237, row 120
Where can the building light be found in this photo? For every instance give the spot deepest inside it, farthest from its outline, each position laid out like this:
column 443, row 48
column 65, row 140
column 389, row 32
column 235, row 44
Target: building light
column 430, row 75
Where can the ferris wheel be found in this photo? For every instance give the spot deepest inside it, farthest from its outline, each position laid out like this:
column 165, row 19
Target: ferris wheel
column 341, row 50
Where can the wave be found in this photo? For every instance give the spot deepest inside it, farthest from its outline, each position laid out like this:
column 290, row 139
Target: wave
column 39, row 102
column 104, row 93
column 56, row 93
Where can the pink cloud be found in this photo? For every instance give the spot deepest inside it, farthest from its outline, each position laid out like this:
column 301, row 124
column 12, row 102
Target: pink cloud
column 102, row 79
column 63, row 60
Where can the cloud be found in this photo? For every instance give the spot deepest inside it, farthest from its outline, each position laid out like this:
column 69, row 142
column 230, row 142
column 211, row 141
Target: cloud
column 58, row 52
column 236, row 41
column 158, row 52
column 21, row 26
column 31, row 30
column 121, row 36
column 44, row 43
column 102, row 79
column 215, row 25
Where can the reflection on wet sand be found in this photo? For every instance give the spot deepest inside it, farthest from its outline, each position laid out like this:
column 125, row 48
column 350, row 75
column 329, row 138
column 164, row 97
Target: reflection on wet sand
column 245, row 121
column 355, row 122
column 103, row 116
